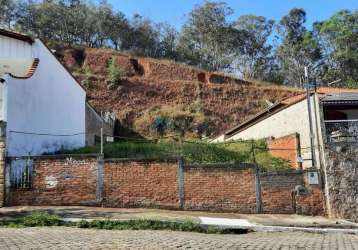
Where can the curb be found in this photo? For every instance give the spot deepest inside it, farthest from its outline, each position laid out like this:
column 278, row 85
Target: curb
column 255, row 228
column 272, row 229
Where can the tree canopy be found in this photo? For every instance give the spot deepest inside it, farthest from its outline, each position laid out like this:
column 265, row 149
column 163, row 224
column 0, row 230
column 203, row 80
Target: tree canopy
column 253, row 47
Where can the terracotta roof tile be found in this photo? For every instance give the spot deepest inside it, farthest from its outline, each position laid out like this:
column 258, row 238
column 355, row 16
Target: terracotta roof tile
column 330, row 90
column 293, row 99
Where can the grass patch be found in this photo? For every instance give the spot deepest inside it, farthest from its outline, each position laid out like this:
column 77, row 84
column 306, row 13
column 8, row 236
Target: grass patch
column 42, row 219
column 37, row 219
column 186, row 226
column 193, row 152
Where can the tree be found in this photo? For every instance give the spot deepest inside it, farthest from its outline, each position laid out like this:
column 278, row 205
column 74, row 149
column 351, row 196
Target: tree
column 168, row 41
column 299, row 48
column 8, row 13
column 338, row 37
column 143, row 38
column 254, row 56
column 207, row 38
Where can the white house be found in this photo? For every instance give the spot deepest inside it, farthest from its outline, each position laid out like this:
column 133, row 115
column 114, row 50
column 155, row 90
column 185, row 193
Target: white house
column 42, row 108
column 334, row 117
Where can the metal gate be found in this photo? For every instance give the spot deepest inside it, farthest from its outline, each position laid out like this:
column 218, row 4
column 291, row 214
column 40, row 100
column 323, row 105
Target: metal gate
column 21, row 172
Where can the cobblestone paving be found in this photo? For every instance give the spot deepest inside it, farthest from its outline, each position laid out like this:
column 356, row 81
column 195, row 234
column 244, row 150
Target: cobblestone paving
column 74, row 238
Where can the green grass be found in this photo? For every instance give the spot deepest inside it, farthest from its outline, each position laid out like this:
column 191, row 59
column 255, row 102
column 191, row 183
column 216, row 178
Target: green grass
column 42, row 219
column 37, row 219
column 192, row 152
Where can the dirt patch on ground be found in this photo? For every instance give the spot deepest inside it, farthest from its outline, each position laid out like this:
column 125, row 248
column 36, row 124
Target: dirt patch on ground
column 163, row 70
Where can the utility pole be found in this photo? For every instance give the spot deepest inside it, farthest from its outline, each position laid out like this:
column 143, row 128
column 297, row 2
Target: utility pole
column 308, row 96
column 102, row 141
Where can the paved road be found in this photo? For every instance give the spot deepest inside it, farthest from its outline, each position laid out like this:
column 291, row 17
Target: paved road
column 74, row 238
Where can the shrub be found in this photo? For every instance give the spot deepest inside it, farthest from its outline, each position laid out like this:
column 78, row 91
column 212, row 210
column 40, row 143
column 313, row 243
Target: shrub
column 171, row 120
column 41, row 219
column 89, row 77
column 114, row 74
column 37, row 219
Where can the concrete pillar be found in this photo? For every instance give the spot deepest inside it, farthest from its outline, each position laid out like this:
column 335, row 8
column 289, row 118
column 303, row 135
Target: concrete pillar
column 181, row 183
column 2, row 173
column 100, row 180
column 259, row 207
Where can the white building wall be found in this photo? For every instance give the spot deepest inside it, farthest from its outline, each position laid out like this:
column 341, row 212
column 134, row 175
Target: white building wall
column 13, row 48
column 293, row 119
column 50, row 102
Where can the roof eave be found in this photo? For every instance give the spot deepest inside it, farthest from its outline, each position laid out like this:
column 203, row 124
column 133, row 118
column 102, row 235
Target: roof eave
column 17, row 36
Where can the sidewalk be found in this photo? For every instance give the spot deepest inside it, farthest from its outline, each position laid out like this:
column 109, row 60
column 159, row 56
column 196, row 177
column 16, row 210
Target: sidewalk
column 256, row 222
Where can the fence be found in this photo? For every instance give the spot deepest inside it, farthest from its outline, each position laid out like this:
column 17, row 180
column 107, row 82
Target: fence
column 342, row 131
column 21, row 172
column 153, row 183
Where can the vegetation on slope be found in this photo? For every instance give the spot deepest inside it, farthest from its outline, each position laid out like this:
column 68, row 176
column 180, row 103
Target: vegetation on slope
column 193, row 152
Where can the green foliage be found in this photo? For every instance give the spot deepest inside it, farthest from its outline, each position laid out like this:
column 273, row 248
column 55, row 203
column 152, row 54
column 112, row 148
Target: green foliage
column 114, row 73
column 207, row 38
column 37, row 219
column 45, row 219
column 172, row 120
column 338, row 36
column 186, row 226
column 299, row 48
column 89, row 76
column 41, row 219
column 193, row 152
column 254, row 57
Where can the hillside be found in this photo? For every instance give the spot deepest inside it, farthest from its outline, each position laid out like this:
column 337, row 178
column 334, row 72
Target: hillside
column 150, row 88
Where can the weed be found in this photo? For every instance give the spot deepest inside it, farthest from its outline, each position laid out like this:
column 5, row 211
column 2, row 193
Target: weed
column 192, row 152
column 114, row 74
column 44, row 219
column 37, row 219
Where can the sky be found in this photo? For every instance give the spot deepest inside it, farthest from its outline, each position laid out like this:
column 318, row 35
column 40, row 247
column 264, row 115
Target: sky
column 174, row 11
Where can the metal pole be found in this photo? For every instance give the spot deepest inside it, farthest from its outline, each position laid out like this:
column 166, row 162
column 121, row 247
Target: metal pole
column 253, row 151
column 308, row 96
column 101, row 141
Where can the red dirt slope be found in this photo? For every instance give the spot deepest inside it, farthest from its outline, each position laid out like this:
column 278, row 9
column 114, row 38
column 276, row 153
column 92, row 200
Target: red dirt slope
column 226, row 101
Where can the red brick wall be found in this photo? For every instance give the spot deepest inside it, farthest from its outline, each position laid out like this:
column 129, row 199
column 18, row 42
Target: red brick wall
column 276, row 191
column 147, row 183
column 220, row 188
column 73, row 183
column 313, row 203
column 141, row 184
column 286, row 148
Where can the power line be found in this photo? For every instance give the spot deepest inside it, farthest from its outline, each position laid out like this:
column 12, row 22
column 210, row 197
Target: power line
column 44, row 134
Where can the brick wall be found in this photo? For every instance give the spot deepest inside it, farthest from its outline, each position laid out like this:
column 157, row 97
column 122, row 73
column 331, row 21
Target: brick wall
column 277, row 189
column 220, row 188
column 311, row 204
column 85, row 180
column 60, row 181
column 141, row 184
column 286, row 147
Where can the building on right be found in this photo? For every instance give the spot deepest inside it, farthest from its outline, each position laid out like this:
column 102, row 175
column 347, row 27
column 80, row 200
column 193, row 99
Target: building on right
column 286, row 127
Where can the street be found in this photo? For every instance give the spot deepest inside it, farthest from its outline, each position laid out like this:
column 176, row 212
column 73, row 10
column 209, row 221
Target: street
column 75, row 238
